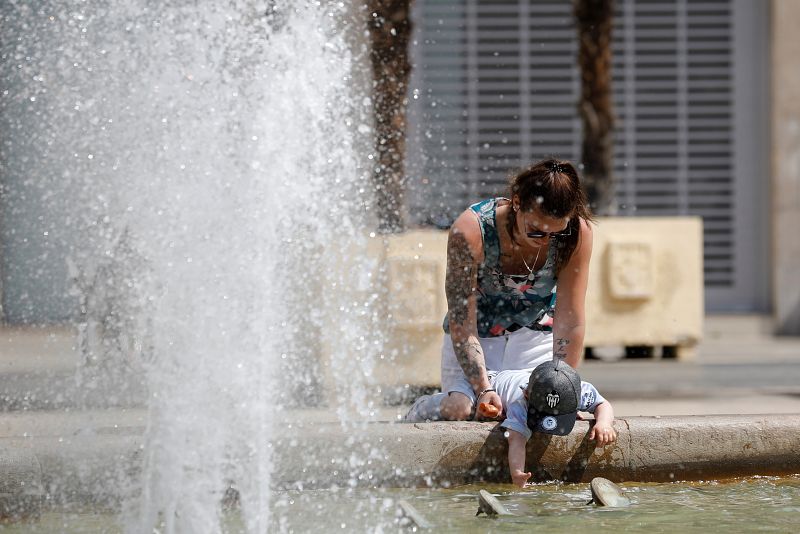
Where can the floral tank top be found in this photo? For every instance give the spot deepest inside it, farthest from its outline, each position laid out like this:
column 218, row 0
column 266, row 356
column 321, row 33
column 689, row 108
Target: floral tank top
column 510, row 301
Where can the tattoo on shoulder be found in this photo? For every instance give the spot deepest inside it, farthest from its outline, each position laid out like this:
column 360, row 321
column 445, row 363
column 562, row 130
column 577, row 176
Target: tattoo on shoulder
column 461, row 277
column 561, row 348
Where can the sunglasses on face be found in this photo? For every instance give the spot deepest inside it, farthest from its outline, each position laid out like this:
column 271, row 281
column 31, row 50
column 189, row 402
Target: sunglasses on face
column 538, row 234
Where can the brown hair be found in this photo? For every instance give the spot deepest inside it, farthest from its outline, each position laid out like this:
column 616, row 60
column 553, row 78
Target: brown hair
column 553, row 187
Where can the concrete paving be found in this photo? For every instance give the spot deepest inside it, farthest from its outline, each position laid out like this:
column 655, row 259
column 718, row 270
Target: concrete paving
column 738, row 369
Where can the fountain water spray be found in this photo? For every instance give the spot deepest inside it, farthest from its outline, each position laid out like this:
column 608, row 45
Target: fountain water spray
column 213, row 159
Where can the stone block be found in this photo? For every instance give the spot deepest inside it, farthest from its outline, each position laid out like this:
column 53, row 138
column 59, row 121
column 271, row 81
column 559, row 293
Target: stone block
column 414, row 289
column 415, row 268
column 646, row 282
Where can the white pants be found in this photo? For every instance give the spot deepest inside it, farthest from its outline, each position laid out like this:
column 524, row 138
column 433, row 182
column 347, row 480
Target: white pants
column 523, row 349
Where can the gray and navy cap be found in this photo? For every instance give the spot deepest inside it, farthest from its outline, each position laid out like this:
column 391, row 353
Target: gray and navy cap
column 554, row 391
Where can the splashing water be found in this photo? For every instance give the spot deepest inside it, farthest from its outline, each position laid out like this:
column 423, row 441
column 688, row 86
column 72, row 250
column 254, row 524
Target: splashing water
column 209, row 156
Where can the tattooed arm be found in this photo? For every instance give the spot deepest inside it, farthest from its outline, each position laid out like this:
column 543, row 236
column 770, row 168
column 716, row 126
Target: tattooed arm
column 569, row 323
column 464, row 255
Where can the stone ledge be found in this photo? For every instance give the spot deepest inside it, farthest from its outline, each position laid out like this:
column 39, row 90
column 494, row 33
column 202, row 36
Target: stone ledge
column 657, row 449
column 323, row 455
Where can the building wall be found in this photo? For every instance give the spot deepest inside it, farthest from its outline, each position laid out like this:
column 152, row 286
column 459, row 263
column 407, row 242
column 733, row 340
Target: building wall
column 783, row 149
column 785, row 93
column 495, row 87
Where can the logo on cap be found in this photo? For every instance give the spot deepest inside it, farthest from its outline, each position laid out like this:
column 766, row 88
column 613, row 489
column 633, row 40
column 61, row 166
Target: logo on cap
column 549, row 422
column 554, row 390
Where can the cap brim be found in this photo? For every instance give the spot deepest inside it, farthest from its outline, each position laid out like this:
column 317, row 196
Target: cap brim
column 557, row 425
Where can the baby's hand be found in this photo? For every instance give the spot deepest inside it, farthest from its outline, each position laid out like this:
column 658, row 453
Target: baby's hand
column 603, row 433
column 520, row 477
column 488, row 411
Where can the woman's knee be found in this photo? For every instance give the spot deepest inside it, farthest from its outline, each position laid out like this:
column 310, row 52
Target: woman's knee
column 456, row 407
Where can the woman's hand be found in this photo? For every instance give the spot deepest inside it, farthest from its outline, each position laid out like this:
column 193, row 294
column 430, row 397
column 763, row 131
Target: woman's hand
column 520, row 478
column 604, row 433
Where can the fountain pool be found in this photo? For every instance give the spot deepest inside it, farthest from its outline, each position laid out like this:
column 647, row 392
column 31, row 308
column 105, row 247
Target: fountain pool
column 765, row 504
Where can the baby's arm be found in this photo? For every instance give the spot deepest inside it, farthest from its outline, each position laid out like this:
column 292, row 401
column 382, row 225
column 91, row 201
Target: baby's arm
column 603, row 428
column 516, row 458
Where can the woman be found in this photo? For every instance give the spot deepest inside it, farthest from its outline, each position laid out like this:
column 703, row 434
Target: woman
column 505, row 258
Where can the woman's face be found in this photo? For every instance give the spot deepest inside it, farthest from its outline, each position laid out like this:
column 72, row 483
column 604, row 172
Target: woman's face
column 536, row 228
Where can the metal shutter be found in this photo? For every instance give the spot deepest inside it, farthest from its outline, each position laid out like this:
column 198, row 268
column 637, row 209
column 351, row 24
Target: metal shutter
column 491, row 91
column 495, row 86
column 673, row 79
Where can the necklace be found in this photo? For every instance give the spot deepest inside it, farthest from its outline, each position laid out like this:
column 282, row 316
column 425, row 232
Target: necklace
column 530, row 269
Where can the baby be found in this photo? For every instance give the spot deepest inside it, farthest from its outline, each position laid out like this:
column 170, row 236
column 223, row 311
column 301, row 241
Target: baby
column 548, row 400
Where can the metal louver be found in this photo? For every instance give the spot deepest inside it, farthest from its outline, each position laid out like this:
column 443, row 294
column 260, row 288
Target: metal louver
column 495, row 87
column 673, row 78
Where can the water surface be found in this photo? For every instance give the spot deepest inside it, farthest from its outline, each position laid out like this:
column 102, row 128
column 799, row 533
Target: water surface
column 764, row 504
